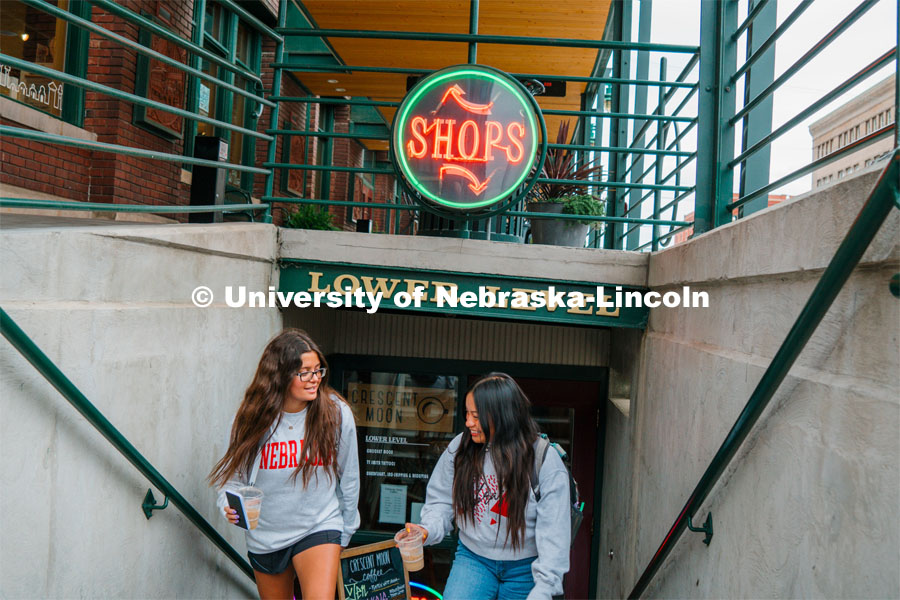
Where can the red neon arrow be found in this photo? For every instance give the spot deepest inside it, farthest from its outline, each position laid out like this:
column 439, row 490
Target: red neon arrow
column 476, row 186
column 457, row 93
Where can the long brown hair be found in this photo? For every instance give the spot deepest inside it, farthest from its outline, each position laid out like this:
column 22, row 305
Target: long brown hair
column 511, row 432
column 262, row 406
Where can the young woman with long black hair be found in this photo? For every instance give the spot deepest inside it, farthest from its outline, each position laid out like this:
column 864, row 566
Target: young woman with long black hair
column 510, row 545
column 295, row 439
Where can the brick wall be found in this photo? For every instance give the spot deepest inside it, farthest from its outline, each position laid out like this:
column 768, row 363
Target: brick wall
column 48, row 168
column 120, row 178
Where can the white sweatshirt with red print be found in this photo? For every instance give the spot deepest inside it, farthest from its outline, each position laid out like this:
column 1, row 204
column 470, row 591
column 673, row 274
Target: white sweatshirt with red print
column 290, row 512
column 547, row 523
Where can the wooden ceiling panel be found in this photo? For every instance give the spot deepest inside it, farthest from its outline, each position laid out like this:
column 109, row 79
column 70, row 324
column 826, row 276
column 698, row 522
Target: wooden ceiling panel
column 584, row 19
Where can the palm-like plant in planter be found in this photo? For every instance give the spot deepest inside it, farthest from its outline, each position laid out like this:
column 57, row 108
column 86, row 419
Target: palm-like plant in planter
column 564, row 198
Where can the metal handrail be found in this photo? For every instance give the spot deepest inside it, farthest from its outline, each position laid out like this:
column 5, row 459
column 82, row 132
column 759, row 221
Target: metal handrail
column 485, row 39
column 31, row 203
column 870, row 218
column 28, row 349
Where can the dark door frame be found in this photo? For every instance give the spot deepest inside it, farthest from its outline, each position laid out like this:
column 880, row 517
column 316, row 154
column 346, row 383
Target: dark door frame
column 339, row 363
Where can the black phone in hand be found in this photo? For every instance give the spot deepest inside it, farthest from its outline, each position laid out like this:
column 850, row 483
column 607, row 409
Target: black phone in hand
column 236, row 501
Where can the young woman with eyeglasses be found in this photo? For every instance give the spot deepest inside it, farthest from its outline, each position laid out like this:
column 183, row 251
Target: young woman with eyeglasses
column 510, row 544
column 294, row 438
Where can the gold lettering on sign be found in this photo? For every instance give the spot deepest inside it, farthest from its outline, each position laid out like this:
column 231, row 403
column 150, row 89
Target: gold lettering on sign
column 400, row 407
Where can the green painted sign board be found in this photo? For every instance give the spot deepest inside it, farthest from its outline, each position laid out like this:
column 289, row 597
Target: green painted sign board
column 314, row 283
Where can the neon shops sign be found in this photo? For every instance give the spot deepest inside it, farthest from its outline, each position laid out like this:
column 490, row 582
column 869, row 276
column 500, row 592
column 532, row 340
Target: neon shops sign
column 467, row 138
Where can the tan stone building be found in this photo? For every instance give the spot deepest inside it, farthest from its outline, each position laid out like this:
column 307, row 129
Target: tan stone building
column 869, row 112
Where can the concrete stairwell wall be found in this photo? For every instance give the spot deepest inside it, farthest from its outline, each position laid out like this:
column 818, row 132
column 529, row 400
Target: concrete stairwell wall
column 810, row 505
column 111, row 306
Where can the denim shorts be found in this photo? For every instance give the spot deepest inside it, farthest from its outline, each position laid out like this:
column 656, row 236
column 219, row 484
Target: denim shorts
column 273, row 563
column 473, row 576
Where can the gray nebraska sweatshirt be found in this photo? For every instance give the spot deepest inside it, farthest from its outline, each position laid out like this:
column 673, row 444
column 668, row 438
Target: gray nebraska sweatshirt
column 289, row 511
column 547, row 523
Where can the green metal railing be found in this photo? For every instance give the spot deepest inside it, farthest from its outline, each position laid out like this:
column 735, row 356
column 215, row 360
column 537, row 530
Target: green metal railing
column 592, row 110
column 194, row 74
column 28, row 349
column 651, row 171
column 718, row 167
column 884, row 196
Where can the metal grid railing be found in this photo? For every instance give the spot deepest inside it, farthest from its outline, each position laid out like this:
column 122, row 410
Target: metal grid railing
column 193, row 73
column 661, row 187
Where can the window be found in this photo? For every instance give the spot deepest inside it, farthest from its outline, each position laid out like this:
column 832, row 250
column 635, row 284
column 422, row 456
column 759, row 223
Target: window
column 32, row 35
column 888, row 113
column 323, row 151
column 233, row 40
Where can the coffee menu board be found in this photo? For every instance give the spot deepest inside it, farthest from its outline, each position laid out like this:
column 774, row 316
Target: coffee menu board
column 373, row 572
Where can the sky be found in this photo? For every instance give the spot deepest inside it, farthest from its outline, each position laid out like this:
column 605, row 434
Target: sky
column 678, row 22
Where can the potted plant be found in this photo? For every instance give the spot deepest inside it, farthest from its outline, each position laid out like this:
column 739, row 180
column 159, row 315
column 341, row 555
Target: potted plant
column 310, row 217
column 563, row 198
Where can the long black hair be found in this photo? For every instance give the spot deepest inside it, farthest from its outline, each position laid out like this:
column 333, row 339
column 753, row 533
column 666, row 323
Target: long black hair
column 510, row 432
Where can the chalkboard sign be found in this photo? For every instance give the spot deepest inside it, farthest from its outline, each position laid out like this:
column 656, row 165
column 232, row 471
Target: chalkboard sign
column 373, row 572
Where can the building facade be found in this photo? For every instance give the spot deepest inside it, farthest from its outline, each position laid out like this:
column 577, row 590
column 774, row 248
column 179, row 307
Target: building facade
column 871, row 111
column 640, row 397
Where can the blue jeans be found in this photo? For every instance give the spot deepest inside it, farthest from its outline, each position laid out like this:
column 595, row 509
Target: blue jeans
column 474, row 576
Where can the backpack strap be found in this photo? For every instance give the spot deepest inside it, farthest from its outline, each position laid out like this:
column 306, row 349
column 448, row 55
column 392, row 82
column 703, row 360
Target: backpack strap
column 543, row 446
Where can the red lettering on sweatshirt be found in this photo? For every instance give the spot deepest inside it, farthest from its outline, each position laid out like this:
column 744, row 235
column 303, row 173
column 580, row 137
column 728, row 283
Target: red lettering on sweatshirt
column 293, row 452
column 284, row 455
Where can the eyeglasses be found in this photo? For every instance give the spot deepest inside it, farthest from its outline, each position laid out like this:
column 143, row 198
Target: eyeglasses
column 308, row 375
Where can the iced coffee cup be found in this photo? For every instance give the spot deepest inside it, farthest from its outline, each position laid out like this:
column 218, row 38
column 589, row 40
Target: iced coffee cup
column 410, row 543
column 252, row 503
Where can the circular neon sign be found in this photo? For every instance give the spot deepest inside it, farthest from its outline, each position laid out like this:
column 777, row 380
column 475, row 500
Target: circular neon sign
column 466, row 138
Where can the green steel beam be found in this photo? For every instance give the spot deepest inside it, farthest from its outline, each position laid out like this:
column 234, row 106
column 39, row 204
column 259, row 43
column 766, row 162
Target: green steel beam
column 618, row 128
column 617, row 184
column 133, row 17
column 28, row 349
column 321, row 202
column 832, row 35
column 663, row 237
column 275, row 113
column 412, row 71
column 609, row 115
column 198, row 25
column 473, row 31
column 485, row 39
column 771, row 38
column 351, row 135
column 852, row 147
column 818, row 104
column 329, row 168
column 623, row 149
column 715, row 136
column 50, row 138
column 561, row 112
column 758, row 123
column 661, row 130
column 870, row 218
column 640, row 126
column 137, row 47
column 251, row 20
column 125, row 208
column 749, row 20
column 565, row 217
column 342, row 101
column 120, row 95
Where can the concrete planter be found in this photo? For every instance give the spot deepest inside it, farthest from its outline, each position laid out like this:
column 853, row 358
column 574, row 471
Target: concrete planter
column 555, row 232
